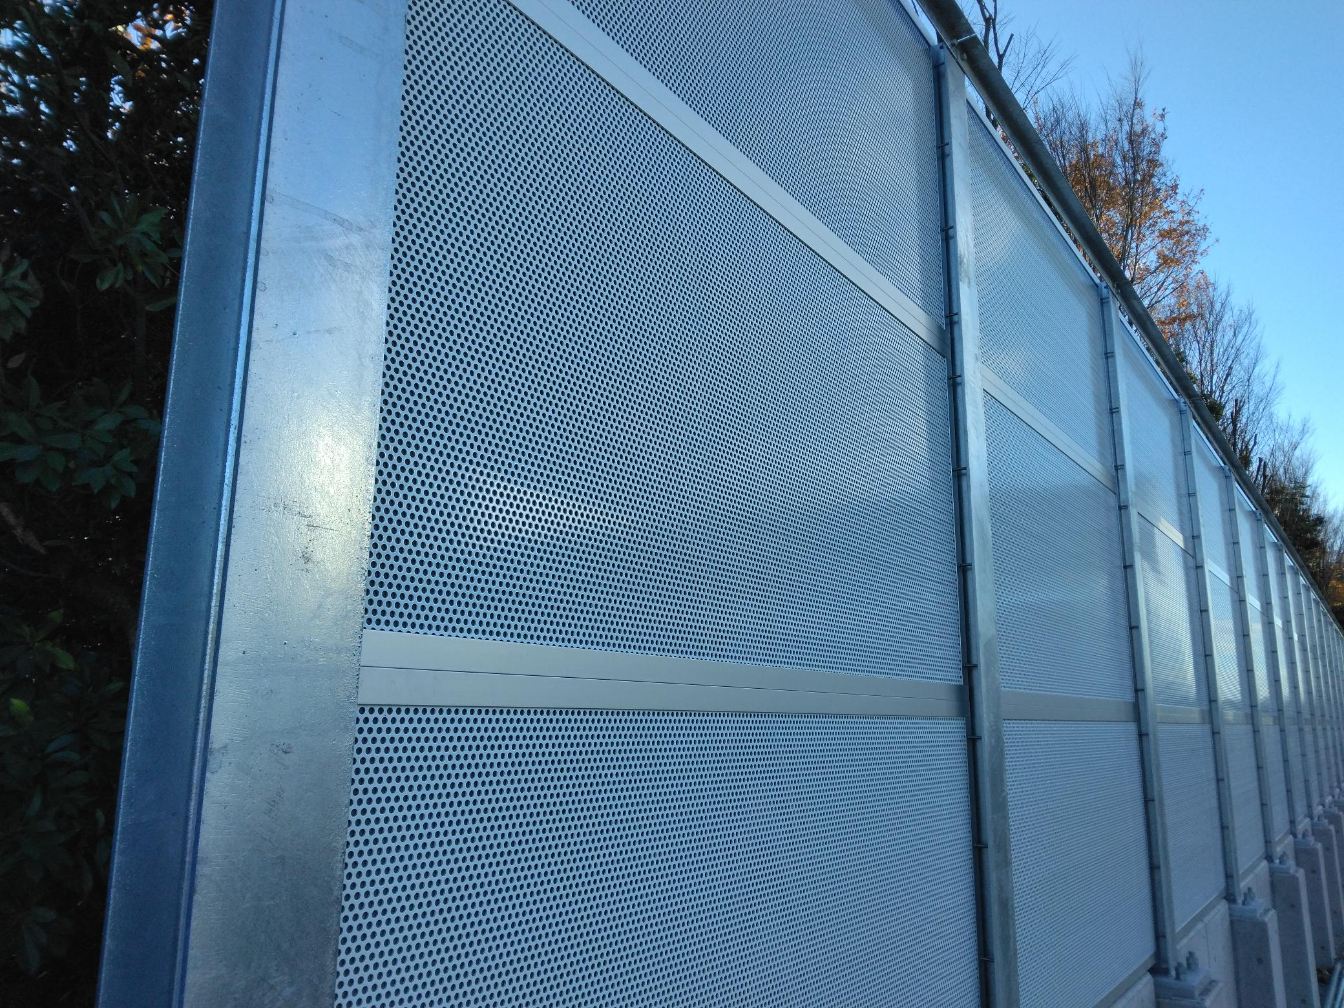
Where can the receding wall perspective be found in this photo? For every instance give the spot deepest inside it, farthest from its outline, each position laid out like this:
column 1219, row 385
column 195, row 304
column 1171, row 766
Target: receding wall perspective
column 690, row 528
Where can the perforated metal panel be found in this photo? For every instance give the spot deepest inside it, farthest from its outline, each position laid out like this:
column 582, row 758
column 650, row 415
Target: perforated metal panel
column 1300, row 740
column 1080, row 865
column 1278, row 789
column 1040, row 315
column 1291, row 707
column 1155, row 454
column 624, row 409
column 1213, row 514
column 1260, row 658
column 1190, row 798
column 577, row 858
column 1058, row 569
column 1306, row 691
column 1172, row 606
column 1232, row 688
column 1297, row 764
column 834, row 100
column 1252, row 559
column 1239, row 740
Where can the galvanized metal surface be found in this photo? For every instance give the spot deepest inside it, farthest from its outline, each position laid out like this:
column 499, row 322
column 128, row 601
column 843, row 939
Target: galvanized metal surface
column 674, row 513
column 980, row 643
column 854, row 140
column 559, row 475
column 1295, row 706
column 167, row 723
column 1209, row 638
column 1248, row 563
column 952, row 27
column 1053, row 769
column 269, row 859
column 245, row 684
column 1160, row 868
column 575, row 858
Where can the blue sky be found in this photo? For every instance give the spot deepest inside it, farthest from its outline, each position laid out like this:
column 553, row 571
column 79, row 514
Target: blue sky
column 1255, row 102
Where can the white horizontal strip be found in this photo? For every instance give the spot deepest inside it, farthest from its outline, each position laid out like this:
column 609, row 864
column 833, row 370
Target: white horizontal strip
column 390, row 649
column 601, row 54
column 1217, row 571
column 439, row 688
column 1020, row 705
column 1161, row 524
column 1178, row 714
column 409, row 669
column 1045, row 427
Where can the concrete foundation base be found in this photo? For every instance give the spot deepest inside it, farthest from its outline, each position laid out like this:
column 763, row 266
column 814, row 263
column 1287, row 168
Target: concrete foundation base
column 1140, row 995
column 1295, row 940
column 1189, row 985
column 1255, row 943
column 1325, row 835
column 1311, row 859
column 1209, row 941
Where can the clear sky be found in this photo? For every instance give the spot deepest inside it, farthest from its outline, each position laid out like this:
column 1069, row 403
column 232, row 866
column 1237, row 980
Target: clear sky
column 1255, row 100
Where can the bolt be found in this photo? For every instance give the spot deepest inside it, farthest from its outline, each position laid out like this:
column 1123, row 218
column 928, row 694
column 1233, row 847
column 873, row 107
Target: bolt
column 1179, row 972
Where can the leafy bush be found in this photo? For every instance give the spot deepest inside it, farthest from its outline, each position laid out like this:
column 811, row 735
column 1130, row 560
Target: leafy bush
column 60, row 737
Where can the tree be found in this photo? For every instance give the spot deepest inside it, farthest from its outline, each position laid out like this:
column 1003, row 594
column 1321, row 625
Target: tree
column 98, row 110
column 1114, row 157
column 1222, row 345
column 1284, row 470
column 1330, row 575
column 1033, row 66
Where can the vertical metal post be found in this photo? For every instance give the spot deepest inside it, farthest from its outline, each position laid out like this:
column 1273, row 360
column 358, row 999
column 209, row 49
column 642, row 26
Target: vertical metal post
column 1332, row 671
column 230, row 849
column 1331, row 742
column 1323, row 739
column 1331, row 690
column 1210, row 664
column 1289, row 621
column 1332, row 641
column 158, row 804
column 1278, row 683
column 1155, row 814
column 1247, row 659
column 1307, row 673
column 980, row 647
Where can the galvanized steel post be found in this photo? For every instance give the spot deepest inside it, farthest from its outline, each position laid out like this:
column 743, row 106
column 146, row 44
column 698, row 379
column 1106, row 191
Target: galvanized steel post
column 1329, row 772
column 1277, row 679
column 1327, row 694
column 158, row 809
column 1307, row 674
column 1247, row 659
column 1159, row 857
column 980, row 647
column 1289, row 621
column 1210, row 663
column 230, row 854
